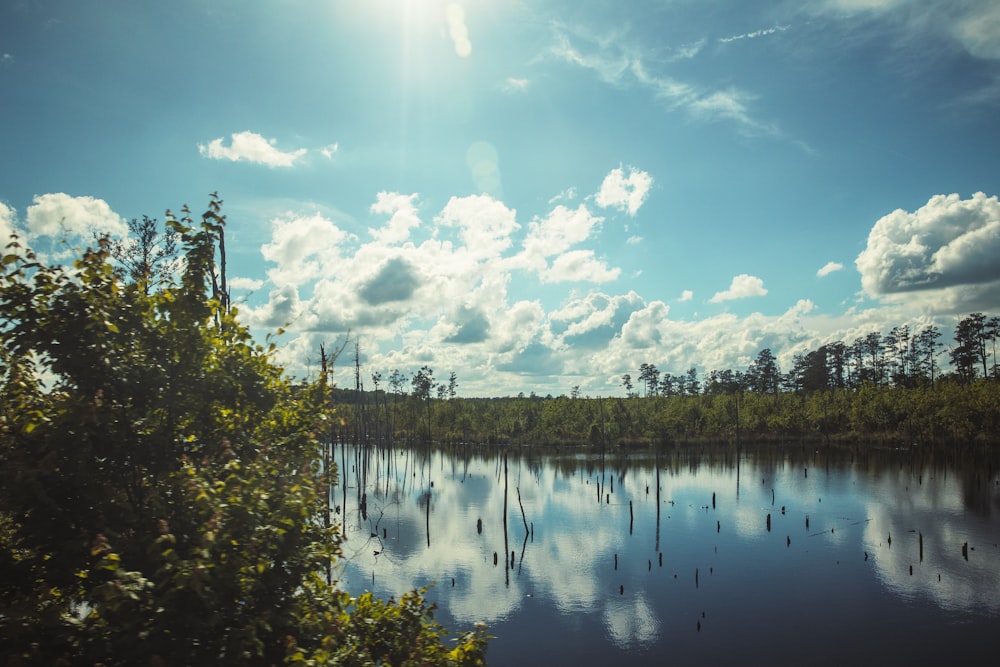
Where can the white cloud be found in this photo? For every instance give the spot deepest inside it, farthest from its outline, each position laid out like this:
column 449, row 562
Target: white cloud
column 485, row 224
column 249, row 284
column 634, row 240
column 282, row 307
column 579, row 266
column 828, row 268
column 948, row 244
column 458, row 30
column 7, row 217
column 624, row 192
column 592, row 321
column 643, row 327
column 402, row 210
column 555, row 234
column 61, row 216
column 743, row 286
column 329, row 150
column 438, row 294
column 250, row 147
column 6, row 60
column 303, row 247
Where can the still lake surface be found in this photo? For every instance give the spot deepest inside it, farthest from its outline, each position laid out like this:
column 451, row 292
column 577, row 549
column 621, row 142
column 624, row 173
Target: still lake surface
column 798, row 556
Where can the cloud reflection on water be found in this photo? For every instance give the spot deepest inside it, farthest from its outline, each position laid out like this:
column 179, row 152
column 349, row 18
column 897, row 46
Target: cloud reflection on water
column 581, row 558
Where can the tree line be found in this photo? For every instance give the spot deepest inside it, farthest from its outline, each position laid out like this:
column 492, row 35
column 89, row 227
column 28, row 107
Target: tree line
column 899, row 358
column 883, row 388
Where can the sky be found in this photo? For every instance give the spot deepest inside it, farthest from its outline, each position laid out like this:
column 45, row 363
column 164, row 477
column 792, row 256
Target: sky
column 534, row 195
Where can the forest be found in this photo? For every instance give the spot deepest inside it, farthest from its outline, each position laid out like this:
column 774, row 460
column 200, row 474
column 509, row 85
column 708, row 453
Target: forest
column 881, row 389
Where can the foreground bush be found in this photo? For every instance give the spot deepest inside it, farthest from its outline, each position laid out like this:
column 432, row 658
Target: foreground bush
column 162, row 500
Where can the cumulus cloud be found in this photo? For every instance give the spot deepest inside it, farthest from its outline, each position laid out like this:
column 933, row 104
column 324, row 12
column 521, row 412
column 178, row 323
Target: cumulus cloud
column 7, row 215
column 485, row 224
column 241, row 283
column 458, row 30
column 743, row 286
column 471, row 326
column 302, row 247
column 281, row 308
column 625, row 192
column 437, row 293
column 61, row 216
column 250, row 147
column 828, row 268
column 592, row 321
column 555, row 234
column 949, row 242
column 403, row 216
column 396, row 280
column 579, row 266
column 643, row 327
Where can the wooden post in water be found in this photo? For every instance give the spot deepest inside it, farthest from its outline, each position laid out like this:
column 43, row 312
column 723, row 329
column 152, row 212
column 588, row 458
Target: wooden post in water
column 506, row 544
column 657, row 459
column 769, row 522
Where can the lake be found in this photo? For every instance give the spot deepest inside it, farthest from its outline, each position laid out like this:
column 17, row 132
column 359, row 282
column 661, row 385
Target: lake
column 769, row 557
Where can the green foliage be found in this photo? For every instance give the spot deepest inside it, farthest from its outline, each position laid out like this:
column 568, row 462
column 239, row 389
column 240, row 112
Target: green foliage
column 162, row 499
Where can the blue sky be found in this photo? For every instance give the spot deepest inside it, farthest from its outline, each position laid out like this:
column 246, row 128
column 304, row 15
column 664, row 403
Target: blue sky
column 534, row 195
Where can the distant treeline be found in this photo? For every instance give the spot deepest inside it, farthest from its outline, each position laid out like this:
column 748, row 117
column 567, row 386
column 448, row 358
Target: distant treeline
column 881, row 388
column 946, row 413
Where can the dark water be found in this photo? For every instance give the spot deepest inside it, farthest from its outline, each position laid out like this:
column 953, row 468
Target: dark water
column 784, row 559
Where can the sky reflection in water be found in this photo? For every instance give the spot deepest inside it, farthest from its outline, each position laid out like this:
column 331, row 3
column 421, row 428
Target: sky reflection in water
column 800, row 558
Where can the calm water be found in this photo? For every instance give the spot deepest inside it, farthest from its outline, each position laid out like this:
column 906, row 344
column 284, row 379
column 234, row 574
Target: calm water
column 800, row 558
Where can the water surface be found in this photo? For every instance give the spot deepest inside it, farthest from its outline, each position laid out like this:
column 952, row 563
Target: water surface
column 795, row 557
